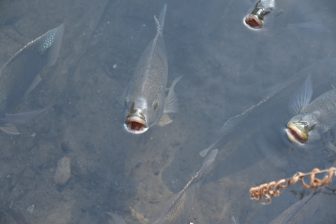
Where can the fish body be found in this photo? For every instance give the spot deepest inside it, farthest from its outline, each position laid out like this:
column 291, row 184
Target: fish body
column 178, row 203
column 312, row 118
column 323, row 108
column 20, row 74
column 146, row 98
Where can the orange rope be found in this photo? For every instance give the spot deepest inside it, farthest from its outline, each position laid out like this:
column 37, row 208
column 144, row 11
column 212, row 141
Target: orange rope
column 265, row 192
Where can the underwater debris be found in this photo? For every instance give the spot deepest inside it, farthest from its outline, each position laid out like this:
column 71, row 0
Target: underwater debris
column 265, row 192
column 255, row 20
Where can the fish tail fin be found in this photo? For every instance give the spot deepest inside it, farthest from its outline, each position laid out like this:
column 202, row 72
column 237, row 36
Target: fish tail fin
column 160, row 22
column 49, row 44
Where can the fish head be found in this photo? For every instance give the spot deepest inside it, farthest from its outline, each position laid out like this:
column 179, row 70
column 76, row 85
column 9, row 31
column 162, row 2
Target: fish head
column 299, row 127
column 253, row 22
column 255, row 19
column 136, row 121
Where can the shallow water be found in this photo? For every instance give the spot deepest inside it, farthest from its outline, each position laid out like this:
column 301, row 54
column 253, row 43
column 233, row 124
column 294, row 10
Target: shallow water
column 226, row 68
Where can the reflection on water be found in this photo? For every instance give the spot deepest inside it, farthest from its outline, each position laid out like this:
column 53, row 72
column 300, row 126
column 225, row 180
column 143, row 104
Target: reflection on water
column 115, row 177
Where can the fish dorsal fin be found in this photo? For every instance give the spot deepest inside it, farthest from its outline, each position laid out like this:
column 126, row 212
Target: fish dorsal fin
column 171, row 104
column 165, row 120
column 10, row 129
column 303, row 97
column 34, row 84
column 160, row 22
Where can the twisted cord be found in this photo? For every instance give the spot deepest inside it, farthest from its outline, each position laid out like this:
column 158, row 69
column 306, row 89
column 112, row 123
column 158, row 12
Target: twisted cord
column 265, row 192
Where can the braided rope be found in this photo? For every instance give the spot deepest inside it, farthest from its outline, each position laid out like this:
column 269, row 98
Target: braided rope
column 265, row 192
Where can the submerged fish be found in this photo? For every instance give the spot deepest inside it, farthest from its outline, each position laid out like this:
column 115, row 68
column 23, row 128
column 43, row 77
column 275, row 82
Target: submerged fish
column 146, row 100
column 312, row 118
column 175, row 207
column 20, row 74
column 255, row 20
column 114, row 218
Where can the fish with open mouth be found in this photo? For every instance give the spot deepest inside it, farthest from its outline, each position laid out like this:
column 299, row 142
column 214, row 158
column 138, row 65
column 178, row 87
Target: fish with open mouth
column 20, row 75
column 148, row 101
column 312, row 118
column 255, row 19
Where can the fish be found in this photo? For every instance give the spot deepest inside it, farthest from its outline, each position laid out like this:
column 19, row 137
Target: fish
column 147, row 100
column 179, row 201
column 12, row 216
column 255, row 19
column 114, row 218
column 315, row 207
column 312, row 118
column 20, row 75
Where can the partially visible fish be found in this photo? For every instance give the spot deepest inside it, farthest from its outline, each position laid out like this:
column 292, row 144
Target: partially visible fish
column 312, row 118
column 255, row 20
column 147, row 102
column 11, row 216
column 316, row 207
column 20, row 74
column 175, row 208
column 115, row 218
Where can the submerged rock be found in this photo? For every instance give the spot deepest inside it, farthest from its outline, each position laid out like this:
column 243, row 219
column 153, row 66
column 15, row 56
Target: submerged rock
column 63, row 171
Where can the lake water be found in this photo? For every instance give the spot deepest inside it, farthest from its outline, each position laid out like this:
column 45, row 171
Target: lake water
column 226, row 69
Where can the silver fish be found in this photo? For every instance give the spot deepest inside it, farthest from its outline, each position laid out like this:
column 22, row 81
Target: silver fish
column 255, row 19
column 20, row 74
column 175, row 207
column 147, row 102
column 312, row 118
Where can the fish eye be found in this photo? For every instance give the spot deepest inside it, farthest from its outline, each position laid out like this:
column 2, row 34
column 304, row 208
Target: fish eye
column 305, row 124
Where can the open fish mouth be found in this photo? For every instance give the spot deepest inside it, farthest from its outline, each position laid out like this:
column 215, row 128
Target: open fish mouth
column 135, row 125
column 295, row 134
column 253, row 22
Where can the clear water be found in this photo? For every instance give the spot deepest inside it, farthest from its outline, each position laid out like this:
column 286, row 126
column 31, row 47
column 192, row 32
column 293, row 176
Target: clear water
column 226, row 68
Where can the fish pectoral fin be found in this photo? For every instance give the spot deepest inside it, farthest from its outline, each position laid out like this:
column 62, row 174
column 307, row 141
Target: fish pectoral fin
column 171, row 104
column 10, row 129
column 23, row 117
column 204, row 152
column 35, row 83
column 303, row 97
column 165, row 120
column 115, row 218
column 139, row 216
